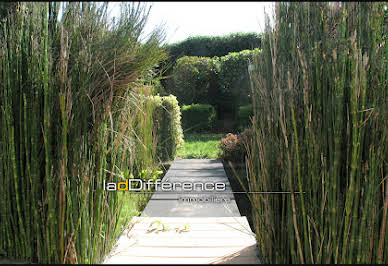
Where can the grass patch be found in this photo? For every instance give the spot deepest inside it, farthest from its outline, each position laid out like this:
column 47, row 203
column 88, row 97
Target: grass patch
column 200, row 146
column 132, row 204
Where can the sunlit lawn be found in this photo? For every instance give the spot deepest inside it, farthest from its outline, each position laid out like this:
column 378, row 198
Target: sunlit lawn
column 200, row 146
column 132, row 204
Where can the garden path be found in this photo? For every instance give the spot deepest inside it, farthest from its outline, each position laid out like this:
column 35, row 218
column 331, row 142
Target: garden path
column 181, row 227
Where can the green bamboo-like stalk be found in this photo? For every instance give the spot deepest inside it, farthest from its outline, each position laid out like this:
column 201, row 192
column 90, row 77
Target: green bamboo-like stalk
column 12, row 142
column 55, row 135
column 383, row 234
column 50, row 234
column 321, row 131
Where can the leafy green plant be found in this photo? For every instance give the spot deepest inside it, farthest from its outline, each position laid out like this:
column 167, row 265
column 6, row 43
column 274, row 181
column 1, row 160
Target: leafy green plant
column 233, row 147
column 210, row 46
column 192, row 79
column 167, row 126
column 182, row 228
column 158, row 226
column 207, row 46
column 149, row 175
column 198, row 117
column 220, row 81
column 244, row 115
column 234, row 80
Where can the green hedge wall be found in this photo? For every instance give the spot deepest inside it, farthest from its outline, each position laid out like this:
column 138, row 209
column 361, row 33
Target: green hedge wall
column 167, row 126
column 220, row 81
column 206, row 46
column 193, row 77
column 234, row 80
column 198, row 117
column 210, row 46
column 244, row 114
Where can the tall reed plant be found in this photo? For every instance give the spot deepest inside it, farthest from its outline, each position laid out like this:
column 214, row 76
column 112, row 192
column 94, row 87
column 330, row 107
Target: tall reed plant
column 69, row 121
column 320, row 122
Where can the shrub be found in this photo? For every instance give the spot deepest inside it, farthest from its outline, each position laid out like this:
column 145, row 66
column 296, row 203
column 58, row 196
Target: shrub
column 198, row 117
column 222, row 82
column 234, row 80
column 167, row 126
column 207, row 46
column 246, row 137
column 210, row 46
column 191, row 78
column 244, row 114
column 233, row 147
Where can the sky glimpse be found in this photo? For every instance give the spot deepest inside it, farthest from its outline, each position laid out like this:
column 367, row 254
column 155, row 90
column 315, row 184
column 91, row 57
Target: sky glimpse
column 184, row 19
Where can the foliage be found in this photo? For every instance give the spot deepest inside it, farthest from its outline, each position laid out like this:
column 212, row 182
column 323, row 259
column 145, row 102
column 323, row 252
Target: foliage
column 222, row 82
column 198, row 117
column 192, row 79
column 210, row 46
column 167, row 123
column 207, row 46
column 69, row 121
column 233, row 147
column 234, row 80
column 320, row 108
column 199, row 146
column 244, row 115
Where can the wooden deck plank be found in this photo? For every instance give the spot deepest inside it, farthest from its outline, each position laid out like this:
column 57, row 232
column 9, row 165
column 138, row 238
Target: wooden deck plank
column 192, row 220
column 197, row 227
column 211, row 240
column 213, row 233
column 180, row 261
column 203, row 235
column 168, row 252
column 192, row 242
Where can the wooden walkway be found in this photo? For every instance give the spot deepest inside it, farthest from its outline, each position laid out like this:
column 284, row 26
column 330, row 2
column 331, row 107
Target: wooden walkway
column 173, row 232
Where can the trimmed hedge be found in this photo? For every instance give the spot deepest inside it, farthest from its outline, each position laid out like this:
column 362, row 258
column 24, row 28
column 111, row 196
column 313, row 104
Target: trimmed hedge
column 198, row 117
column 234, row 80
column 167, row 126
column 244, row 114
column 220, row 81
column 192, row 78
column 210, row 46
column 206, row 46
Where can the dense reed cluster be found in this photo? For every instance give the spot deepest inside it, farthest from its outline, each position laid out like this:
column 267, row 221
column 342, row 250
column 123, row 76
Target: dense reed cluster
column 69, row 120
column 320, row 120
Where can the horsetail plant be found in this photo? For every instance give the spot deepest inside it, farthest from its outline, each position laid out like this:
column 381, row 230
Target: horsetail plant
column 69, row 120
column 320, row 122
